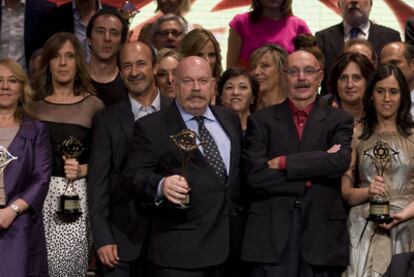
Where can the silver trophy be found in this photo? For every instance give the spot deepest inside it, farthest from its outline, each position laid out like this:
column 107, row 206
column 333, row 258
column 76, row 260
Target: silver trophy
column 5, row 158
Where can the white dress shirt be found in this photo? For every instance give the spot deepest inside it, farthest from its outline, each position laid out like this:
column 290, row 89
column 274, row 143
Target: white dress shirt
column 363, row 34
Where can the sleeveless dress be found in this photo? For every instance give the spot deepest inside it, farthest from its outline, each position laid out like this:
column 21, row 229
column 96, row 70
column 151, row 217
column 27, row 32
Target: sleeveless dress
column 371, row 249
column 68, row 241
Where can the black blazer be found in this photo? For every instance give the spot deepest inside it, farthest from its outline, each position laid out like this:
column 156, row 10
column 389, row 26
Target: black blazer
column 200, row 236
column 62, row 18
column 36, row 19
column 113, row 213
column 331, row 42
column 402, row 265
column 409, row 31
column 270, row 133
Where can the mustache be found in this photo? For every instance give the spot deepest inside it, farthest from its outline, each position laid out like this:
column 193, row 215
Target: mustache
column 353, row 6
column 196, row 95
column 135, row 78
column 302, row 85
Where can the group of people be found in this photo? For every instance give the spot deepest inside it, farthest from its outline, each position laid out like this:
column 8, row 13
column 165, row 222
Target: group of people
column 149, row 154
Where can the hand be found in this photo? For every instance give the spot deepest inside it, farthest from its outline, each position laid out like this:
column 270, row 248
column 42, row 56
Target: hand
column 397, row 218
column 175, row 188
column 7, row 215
column 377, row 186
column 335, row 148
column 273, row 163
column 73, row 170
column 108, row 255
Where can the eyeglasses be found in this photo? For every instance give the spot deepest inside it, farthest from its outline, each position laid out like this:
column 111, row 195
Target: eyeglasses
column 307, row 71
column 166, row 33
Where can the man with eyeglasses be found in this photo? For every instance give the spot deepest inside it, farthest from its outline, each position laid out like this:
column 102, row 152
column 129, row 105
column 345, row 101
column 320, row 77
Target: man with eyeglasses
column 295, row 154
column 196, row 223
column 168, row 31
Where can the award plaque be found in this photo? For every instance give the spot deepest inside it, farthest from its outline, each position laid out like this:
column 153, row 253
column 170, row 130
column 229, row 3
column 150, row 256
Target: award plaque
column 128, row 10
column 379, row 209
column 69, row 203
column 186, row 142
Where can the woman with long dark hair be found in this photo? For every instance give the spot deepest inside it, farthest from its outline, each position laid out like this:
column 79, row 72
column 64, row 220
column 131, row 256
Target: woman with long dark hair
column 382, row 167
column 66, row 104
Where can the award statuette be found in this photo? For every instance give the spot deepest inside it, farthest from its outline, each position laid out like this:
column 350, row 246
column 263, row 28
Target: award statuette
column 186, row 142
column 69, row 204
column 128, row 11
column 379, row 209
column 5, row 158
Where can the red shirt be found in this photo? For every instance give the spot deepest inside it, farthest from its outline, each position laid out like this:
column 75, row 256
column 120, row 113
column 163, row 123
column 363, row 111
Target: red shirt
column 300, row 117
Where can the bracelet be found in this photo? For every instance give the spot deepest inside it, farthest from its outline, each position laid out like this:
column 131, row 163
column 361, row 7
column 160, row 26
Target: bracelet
column 15, row 208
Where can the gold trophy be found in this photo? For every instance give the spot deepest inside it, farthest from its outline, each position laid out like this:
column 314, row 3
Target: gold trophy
column 186, row 142
column 379, row 209
column 69, row 204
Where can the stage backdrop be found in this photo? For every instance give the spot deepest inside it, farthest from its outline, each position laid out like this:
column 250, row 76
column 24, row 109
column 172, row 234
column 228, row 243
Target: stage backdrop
column 319, row 14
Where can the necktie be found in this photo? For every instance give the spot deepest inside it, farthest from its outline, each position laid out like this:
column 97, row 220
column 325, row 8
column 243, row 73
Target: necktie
column 354, row 32
column 210, row 149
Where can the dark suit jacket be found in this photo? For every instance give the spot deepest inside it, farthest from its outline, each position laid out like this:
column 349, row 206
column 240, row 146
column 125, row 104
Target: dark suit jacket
column 331, row 41
column 35, row 25
column 200, row 236
column 409, row 31
column 62, row 18
column 271, row 133
column 402, row 265
column 23, row 243
column 113, row 215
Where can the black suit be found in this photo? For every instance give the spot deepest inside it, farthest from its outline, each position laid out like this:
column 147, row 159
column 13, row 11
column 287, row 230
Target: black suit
column 273, row 193
column 402, row 265
column 331, row 42
column 113, row 214
column 35, row 25
column 62, row 18
column 199, row 237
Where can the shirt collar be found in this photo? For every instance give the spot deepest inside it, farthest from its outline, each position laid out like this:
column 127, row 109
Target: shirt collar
column 74, row 8
column 294, row 109
column 156, row 103
column 364, row 27
column 208, row 114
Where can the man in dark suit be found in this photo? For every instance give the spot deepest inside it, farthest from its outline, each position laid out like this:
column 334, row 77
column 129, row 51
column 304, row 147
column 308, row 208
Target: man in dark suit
column 119, row 231
column 295, row 155
column 356, row 24
column 74, row 16
column 409, row 31
column 34, row 34
column 194, row 240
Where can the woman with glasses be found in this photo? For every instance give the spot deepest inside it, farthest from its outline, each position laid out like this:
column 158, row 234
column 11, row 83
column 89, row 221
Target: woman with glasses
column 266, row 65
column 381, row 170
column 270, row 21
column 66, row 104
column 348, row 81
column 25, row 168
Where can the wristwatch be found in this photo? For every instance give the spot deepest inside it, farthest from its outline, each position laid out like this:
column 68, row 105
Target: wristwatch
column 15, row 208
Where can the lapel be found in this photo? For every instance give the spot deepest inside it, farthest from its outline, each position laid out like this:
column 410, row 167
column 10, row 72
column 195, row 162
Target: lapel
column 336, row 39
column 175, row 124
column 375, row 36
column 126, row 117
column 314, row 126
column 287, row 130
column 16, row 148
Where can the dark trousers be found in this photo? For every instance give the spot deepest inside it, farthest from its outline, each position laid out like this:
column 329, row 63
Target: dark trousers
column 292, row 264
column 214, row 271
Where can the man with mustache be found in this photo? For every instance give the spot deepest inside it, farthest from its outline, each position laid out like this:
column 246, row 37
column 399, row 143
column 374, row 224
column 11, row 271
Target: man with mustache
column 119, row 229
column 355, row 24
column 295, row 154
column 196, row 218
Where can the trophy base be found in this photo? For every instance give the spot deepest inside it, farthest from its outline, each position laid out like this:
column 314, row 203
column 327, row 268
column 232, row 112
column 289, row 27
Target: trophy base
column 380, row 218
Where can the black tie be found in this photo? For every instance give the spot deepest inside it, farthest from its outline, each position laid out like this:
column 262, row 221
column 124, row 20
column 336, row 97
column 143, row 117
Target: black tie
column 210, row 149
column 354, row 32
